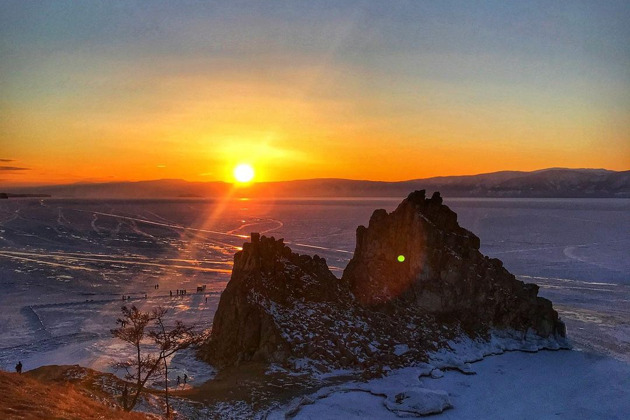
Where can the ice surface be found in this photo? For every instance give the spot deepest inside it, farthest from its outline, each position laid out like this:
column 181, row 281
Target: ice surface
column 515, row 385
column 65, row 265
column 543, row 385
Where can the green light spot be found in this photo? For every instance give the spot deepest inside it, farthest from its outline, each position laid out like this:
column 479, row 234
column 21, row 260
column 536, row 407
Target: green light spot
column 401, row 258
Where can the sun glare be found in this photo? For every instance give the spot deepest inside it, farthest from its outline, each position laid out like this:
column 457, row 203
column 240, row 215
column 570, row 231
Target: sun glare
column 244, row 173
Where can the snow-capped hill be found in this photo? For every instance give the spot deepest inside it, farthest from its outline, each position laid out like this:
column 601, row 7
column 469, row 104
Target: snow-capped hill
column 558, row 182
column 416, row 281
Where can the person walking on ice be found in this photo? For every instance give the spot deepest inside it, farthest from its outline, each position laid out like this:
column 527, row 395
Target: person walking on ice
column 18, row 367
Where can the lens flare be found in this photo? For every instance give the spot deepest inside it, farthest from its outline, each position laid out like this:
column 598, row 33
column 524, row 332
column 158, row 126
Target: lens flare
column 401, row 258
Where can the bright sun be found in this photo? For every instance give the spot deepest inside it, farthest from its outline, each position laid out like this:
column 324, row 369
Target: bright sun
column 244, row 173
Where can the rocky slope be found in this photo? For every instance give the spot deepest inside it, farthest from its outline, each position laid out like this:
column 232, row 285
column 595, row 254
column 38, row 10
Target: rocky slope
column 36, row 395
column 417, row 280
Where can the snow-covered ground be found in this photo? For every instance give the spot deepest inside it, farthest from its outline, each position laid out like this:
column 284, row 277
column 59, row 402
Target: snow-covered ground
column 65, row 265
column 516, row 385
column 506, row 378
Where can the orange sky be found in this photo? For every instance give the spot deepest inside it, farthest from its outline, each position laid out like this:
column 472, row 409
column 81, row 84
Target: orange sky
column 121, row 93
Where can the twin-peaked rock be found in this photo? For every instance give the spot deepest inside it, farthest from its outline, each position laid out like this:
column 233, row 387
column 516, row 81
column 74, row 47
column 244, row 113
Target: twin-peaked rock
column 416, row 279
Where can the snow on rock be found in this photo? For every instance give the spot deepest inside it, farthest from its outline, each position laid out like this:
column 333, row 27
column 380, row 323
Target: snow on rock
column 401, row 349
column 418, row 402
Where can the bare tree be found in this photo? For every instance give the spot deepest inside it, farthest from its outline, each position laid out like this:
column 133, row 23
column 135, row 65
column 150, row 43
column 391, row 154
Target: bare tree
column 136, row 328
column 142, row 367
column 170, row 341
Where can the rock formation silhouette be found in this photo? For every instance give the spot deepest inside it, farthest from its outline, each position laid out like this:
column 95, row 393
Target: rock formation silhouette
column 416, row 280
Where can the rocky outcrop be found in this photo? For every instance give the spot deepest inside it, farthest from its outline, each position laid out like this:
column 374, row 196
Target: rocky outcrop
column 417, row 279
column 418, row 255
column 267, row 280
column 283, row 307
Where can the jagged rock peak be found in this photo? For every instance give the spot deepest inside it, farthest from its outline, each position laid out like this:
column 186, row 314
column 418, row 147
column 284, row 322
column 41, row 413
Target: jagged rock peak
column 419, row 255
column 268, row 254
column 259, row 302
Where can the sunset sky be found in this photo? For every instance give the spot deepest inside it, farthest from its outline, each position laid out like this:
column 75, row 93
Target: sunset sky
column 388, row 90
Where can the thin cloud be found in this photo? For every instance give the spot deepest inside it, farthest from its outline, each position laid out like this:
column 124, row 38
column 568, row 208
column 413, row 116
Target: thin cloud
column 7, row 160
column 13, row 168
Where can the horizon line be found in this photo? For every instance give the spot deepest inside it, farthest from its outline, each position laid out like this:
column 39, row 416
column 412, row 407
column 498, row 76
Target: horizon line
column 81, row 183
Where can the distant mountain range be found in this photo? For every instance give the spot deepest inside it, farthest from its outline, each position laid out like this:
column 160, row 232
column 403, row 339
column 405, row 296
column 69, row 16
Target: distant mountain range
column 546, row 183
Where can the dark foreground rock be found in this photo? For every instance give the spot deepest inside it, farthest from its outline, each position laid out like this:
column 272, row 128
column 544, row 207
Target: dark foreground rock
column 419, row 256
column 417, row 279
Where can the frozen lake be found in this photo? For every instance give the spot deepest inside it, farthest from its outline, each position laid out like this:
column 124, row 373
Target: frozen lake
column 65, row 264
